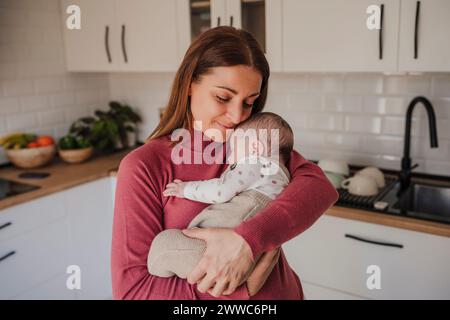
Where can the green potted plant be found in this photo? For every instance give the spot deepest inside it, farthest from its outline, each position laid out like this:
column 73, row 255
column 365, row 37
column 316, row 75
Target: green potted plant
column 127, row 121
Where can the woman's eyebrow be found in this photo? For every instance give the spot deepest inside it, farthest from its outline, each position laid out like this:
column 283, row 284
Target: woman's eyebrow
column 235, row 92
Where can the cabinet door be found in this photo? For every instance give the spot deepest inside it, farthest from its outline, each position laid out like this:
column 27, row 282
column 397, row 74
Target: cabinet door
column 94, row 46
column 425, row 46
column 147, row 35
column 90, row 221
column 332, row 35
column 329, row 255
column 264, row 21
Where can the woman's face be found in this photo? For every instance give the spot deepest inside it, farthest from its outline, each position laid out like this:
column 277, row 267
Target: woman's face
column 224, row 98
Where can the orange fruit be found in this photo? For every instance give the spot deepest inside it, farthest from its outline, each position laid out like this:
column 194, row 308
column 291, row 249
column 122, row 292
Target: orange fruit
column 43, row 141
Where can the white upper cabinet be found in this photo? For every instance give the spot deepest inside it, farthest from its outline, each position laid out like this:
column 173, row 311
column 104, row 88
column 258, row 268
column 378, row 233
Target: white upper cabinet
column 93, row 47
column 131, row 35
column 425, row 35
column 332, row 36
column 261, row 18
column 148, row 34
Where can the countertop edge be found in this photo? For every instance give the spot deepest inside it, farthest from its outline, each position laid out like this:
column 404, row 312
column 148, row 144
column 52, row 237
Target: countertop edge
column 423, row 226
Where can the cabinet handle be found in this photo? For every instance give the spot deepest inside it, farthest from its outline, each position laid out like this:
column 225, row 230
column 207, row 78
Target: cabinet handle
column 5, row 225
column 380, row 34
column 231, row 21
column 416, row 31
column 387, row 244
column 124, row 49
column 9, row 254
column 108, row 54
column 218, row 21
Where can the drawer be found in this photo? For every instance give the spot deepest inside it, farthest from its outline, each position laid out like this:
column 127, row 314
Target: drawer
column 323, row 255
column 39, row 255
column 25, row 217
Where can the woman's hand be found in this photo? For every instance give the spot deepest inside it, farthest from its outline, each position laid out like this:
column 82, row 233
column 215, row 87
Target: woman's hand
column 226, row 263
column 262, row 270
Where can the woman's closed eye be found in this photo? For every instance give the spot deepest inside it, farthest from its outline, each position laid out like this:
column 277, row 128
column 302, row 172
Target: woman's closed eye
column 225, row 100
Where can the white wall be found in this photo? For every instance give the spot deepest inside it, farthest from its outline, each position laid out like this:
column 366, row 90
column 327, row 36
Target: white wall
column 356, row 117
column 36, row 93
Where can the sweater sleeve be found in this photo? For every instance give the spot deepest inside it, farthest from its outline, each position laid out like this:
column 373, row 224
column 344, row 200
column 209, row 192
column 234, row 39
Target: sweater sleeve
column 138, row 218
column 297, row 207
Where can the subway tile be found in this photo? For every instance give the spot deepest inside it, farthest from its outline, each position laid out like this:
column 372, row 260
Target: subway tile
column 385, row 105
column 18, row 87
column 407, row 85
column 33, row 103
column 301, row 101
column 349, row 142
column 21, row 121
column 325, row 122
column 48, row 85
column 355, row 83
column 396, row 126
column 9, row 106
column 62, row 99
column 356, row 123
column 325, row 83
column 51, row 117
column 350, row 104
column 441, row 85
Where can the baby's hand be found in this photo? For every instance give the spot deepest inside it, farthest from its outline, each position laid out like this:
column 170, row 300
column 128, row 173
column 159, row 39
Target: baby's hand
column 175, row 189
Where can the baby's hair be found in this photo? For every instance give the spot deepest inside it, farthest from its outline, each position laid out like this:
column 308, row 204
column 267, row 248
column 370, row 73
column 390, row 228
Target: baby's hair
column 269, row 121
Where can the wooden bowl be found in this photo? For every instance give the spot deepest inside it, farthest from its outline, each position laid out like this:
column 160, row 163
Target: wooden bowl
column 76, row 155
column 31, row 157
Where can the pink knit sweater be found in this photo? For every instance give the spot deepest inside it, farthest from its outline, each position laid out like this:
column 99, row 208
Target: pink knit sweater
column 141, row 212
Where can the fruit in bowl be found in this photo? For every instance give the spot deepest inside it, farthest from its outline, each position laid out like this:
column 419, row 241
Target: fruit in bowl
column 74, row 149
column 26, row 150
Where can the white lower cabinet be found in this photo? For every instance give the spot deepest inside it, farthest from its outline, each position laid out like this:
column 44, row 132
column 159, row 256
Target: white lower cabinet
column 354, row 257
column 45, row 236
column 90, row 218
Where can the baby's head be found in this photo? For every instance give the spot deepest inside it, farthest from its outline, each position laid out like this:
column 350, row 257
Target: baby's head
column 259, row 134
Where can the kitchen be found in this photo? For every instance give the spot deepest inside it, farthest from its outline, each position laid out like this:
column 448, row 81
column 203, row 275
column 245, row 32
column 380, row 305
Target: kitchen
column 344, row 88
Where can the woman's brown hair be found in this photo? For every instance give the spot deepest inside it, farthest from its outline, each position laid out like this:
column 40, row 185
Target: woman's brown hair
column 218, row 47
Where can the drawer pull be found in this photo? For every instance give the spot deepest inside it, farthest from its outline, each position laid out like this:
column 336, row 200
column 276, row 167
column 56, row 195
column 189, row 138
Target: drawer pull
column 9, row 254
column 5, row 225
column 387, row 244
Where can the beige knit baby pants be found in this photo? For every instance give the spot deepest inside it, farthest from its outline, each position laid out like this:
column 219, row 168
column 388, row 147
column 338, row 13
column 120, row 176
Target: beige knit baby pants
column 173, row 253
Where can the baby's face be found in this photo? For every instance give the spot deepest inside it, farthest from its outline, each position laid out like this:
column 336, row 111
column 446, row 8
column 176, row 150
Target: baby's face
column 243, row 146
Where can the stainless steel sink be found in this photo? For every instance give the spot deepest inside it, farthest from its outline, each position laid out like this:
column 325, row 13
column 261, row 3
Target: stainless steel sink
column 421, row 201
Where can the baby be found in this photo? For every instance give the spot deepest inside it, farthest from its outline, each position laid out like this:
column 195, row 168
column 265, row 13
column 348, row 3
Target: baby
column 255, row 176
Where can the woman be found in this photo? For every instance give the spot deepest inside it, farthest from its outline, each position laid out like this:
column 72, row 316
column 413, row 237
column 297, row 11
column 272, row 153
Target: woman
column 222, row 80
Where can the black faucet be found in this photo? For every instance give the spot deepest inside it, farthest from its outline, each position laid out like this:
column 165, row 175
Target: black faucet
column 405, row 174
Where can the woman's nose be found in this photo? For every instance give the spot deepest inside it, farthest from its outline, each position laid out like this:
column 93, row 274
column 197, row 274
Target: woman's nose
column 235, row 114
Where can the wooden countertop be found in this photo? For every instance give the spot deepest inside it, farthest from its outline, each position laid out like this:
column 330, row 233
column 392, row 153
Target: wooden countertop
column 430, row 227
column 62, row 176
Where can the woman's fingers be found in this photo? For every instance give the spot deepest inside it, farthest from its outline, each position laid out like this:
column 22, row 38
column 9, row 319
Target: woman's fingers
column 219, row 288
column 206, row 283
